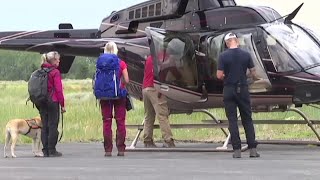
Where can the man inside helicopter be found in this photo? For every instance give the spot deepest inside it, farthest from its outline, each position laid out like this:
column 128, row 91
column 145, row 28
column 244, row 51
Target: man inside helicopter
column 232, row 67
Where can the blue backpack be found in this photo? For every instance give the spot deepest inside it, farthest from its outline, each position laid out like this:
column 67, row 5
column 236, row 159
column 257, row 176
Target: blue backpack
column 106, row 81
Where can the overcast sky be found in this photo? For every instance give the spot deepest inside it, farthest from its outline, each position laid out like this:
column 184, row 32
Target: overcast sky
column 47, row 14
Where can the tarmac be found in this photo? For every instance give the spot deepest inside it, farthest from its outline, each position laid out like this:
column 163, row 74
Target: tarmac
column 86, row 161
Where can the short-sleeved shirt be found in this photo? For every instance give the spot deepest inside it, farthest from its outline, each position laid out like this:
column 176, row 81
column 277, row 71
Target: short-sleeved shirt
column 123, row 66
column 234, row 63
column 148, row 73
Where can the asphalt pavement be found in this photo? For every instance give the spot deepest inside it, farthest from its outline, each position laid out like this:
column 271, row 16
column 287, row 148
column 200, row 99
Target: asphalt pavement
column 86, row 161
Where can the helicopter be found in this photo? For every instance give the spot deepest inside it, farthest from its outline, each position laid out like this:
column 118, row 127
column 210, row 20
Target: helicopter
column 185, row 39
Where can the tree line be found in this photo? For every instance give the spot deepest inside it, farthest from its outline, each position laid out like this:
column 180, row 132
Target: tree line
column 16, row 65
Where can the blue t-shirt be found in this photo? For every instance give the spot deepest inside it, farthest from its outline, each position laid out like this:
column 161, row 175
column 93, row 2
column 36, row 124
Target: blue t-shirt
column 234, row 63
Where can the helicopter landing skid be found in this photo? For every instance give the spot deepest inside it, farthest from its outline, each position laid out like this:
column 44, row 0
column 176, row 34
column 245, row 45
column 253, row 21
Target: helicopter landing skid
column 218, row 123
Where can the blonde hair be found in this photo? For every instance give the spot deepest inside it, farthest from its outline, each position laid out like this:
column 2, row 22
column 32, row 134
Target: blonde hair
column 111, row 48
column 50, row 57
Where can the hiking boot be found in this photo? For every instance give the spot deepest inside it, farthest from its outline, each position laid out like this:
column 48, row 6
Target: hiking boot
column 236, row 153
column 149, row 144
column 254, row 153
column 169, row 144
column 55, row 154
column 45, row 153
column 120, row 153
column 108, row 154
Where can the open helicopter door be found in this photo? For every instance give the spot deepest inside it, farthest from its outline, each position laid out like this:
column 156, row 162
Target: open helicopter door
column 246, row 42
column 175, row 67
column 263, row 84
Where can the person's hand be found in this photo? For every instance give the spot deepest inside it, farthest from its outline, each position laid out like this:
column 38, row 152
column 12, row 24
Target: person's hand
column 63, row 109
column 255, row 78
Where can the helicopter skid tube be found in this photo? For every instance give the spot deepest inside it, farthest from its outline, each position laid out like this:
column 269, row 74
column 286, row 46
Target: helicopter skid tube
column 214, row 123
column 223, row 148
column 309, row 123
column 182, row 149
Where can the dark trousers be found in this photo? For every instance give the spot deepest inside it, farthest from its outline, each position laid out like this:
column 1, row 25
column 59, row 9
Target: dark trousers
column 49, row 113
column 233, row 99
column 119, row 107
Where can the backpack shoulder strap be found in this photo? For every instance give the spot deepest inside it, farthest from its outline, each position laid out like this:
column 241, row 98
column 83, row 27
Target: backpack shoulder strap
column 47, row 70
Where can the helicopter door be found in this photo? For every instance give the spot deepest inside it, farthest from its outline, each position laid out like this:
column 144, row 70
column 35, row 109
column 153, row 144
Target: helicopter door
column 175, row 67
column 262, row 85
column 246, row 42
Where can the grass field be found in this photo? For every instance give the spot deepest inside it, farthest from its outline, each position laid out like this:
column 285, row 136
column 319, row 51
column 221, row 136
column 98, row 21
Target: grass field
column 82, row 121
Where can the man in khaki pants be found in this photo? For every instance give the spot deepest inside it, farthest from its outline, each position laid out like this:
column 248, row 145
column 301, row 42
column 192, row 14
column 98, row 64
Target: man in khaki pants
column 155, row 104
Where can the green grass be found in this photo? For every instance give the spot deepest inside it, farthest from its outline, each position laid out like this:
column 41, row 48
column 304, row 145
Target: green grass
column 82, row 121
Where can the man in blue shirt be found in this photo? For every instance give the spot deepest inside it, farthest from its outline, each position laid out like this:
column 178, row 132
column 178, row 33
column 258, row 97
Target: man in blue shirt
column 232, row 69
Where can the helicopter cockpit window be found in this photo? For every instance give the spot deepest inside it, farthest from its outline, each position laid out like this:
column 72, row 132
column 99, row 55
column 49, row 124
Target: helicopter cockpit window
column 312, row 31
column 296, row 46
column 282, row 61
column 176, row 60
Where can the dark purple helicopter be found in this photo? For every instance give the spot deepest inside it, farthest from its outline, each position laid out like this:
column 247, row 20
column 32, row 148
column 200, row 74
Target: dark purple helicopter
column 185, row 38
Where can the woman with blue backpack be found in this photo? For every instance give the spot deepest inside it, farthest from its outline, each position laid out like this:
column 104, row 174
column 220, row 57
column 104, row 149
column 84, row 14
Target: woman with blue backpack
column 109, row 87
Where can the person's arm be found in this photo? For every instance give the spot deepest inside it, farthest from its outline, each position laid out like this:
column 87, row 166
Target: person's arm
column 220, row 71
column 252, row 69
column 58, row 89
column 125, row 76
column 253, row 74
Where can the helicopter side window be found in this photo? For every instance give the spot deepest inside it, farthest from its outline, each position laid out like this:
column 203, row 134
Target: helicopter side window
column 158, row 9
column 144, row 12
column 131, row 14
column 138, row 13
column 177, row 64
column 151, row 10
column 209, row 4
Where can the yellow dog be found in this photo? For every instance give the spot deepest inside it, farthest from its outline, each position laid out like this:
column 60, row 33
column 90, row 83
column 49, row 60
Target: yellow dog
column 28, row 127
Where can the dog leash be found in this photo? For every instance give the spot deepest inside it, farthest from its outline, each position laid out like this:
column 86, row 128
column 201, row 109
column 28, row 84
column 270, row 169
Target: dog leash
column 61, row 127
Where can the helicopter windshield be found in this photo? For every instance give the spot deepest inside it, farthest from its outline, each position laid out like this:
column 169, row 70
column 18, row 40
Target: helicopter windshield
column 291, row 48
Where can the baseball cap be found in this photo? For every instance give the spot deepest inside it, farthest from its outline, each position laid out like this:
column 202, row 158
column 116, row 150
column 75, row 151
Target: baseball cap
column 229, row 36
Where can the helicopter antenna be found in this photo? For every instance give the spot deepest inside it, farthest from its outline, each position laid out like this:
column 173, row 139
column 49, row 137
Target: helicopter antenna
column 290, row 16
